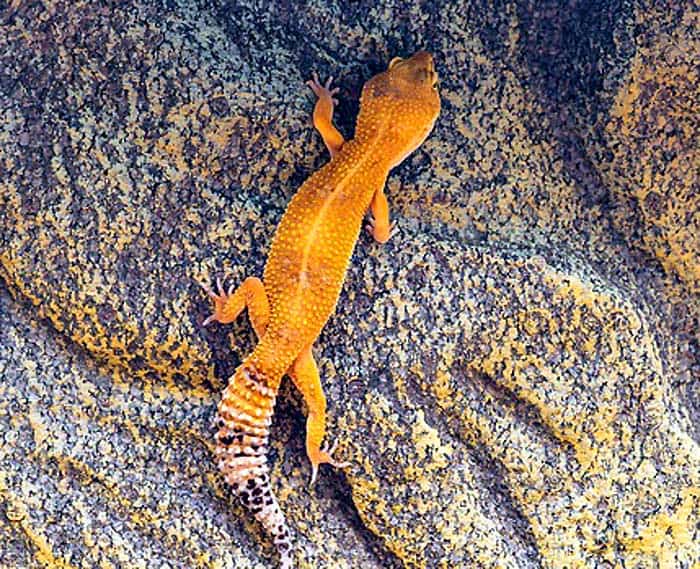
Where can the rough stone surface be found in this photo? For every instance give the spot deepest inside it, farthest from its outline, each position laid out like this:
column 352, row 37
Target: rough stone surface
column 514, row 376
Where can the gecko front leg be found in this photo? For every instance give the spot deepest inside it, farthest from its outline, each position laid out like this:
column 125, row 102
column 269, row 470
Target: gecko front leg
column 323, row 114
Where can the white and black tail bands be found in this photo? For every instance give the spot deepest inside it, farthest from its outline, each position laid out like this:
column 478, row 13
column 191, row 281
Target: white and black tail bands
column 245, row 414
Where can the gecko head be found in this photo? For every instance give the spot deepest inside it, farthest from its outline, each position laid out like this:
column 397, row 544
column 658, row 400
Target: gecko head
column 401, row 104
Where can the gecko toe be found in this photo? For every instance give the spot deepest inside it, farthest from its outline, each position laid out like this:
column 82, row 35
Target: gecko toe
column 314, row 474
column 208, row 290
column 323, row 90
column 392, row 229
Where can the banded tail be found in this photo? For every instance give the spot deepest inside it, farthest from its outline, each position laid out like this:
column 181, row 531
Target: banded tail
column 244, row 417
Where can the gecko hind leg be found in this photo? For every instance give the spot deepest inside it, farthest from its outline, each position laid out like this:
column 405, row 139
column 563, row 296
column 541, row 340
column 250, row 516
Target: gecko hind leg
column 379, row 225
column 323, row 114
column 304, row 374
column 229, row 304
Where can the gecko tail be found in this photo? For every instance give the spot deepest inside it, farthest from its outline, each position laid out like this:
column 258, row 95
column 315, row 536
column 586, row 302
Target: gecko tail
column 243, row 422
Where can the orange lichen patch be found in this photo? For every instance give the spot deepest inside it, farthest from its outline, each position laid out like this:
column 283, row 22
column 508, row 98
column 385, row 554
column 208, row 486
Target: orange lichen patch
column 11, row 202
column 205, row 135
column 498, row 156
column 594, row 432
column 18, row 513
column 434, row 467
column 667, row 533
column 653, row 130
column 573, row 358
column 8, row 271
column 110, row 488
column 158, row 350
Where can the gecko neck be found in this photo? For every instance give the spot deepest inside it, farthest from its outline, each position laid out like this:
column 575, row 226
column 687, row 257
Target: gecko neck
column 363, row 165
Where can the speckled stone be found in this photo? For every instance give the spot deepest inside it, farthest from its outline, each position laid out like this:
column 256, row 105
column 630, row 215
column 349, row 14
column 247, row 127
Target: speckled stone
column 99, row 468
column 514, row 376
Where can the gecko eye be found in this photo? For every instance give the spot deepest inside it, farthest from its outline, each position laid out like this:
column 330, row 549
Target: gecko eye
column 394, row 62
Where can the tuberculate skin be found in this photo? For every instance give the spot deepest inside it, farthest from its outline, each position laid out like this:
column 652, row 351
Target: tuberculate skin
column 304, row 274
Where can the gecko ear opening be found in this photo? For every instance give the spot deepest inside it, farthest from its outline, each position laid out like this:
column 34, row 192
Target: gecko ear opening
column 394, row 61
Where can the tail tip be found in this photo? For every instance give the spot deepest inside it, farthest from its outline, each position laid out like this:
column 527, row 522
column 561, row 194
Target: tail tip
column 283, row 543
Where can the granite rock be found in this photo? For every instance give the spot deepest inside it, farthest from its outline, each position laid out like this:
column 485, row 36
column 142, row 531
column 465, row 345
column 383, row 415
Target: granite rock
column 514, row 376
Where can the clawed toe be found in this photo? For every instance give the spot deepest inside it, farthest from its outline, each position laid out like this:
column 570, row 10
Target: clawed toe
column 380, row 237
column 314, row 474
column 209, row 320
column 322, row 90
column 220, row 297
column 326, row 457
column 369, row 226
column 208, row 290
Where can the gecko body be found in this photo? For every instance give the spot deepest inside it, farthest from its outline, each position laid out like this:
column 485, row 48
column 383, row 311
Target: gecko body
column 304, row 274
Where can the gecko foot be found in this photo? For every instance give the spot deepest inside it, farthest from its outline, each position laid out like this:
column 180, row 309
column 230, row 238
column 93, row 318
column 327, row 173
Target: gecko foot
column 380, row 234
column 323, row 91
column 324, row 457
column 220, row 299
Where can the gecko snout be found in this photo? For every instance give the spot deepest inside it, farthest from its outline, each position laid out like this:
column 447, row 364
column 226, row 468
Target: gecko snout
column 424, row 65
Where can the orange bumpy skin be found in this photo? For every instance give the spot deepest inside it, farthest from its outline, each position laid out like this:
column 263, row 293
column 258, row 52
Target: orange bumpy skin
column 305, row 272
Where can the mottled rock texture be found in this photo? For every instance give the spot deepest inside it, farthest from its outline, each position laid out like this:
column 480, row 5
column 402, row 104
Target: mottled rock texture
column 514, row 376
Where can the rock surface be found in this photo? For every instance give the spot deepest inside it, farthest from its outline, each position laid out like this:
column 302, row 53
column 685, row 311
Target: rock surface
column 514, row 376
